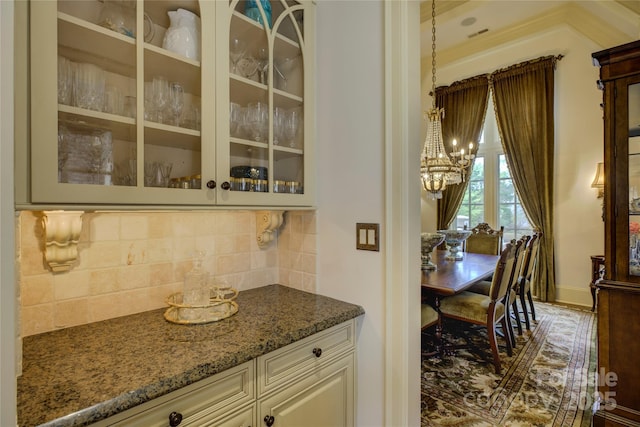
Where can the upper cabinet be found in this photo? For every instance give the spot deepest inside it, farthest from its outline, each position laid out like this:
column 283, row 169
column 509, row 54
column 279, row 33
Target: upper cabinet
column 171, row 103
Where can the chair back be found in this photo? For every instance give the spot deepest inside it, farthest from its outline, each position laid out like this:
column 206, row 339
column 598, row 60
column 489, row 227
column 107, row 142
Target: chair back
column 531, row 257
column 504, row 271
column 485, row 240
column 521, row 258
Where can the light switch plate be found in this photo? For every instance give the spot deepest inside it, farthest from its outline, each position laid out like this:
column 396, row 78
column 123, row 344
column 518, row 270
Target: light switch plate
column 368, row 236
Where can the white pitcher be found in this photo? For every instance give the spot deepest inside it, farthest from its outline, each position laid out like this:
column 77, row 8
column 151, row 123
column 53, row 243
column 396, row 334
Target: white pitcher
column 183, row 35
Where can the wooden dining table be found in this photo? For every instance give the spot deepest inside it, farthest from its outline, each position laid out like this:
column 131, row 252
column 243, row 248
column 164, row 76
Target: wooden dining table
column 453, row 277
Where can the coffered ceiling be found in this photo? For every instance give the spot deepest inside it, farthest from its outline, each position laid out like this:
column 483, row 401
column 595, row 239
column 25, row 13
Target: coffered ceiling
column 466, row 27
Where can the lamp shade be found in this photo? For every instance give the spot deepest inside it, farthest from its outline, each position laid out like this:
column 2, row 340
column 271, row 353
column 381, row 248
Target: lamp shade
column 598, row 181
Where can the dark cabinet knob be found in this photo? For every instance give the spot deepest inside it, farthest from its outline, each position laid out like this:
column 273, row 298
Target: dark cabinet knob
column 268, row 420
column 175, row 418
column 211, row 184
column 225, row 185
column 317, row 351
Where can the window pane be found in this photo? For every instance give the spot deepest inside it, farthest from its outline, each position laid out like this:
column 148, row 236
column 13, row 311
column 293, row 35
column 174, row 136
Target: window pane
column 472, row 208
column 507, row 192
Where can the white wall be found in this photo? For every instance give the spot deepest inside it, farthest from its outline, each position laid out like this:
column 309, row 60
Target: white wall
column 578, row 226
column 350, row 119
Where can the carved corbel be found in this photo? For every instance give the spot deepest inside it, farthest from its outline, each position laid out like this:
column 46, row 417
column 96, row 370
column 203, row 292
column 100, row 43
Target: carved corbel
column 62, row 232
column 267, row 222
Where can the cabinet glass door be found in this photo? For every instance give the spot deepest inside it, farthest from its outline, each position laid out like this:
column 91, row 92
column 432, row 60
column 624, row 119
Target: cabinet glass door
column 124, row 100
column 633, row 136
column 264, row 144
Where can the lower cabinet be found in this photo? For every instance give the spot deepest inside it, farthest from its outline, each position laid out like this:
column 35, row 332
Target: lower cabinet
column 308, row 383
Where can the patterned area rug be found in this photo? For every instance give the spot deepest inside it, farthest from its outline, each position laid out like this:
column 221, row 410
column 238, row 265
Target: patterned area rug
column 548, row 381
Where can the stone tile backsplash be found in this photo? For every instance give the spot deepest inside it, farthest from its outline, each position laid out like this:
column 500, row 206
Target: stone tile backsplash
column 130, row 262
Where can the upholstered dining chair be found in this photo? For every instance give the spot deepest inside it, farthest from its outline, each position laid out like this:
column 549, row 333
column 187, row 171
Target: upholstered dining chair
column 429, row 317
column 484, row 240
column 483, row 287
column 523, row 284
column 487, row 310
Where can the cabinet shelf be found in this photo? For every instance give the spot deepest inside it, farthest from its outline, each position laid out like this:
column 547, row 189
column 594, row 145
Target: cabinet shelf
column 121, row 127
column 173, row 67
column 171, row 136
column 82, row 41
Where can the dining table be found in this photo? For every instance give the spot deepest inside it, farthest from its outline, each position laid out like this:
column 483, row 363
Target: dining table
column 452, row 277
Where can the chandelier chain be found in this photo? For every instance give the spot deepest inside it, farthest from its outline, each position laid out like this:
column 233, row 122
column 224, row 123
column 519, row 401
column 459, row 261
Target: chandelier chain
column 433, row 52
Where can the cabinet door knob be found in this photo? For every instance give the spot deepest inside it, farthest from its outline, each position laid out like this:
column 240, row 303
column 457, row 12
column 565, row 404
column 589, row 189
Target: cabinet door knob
column 211, row 184
column 268, row 420
column 175, row 418
column 225, row 185
column 317, row 351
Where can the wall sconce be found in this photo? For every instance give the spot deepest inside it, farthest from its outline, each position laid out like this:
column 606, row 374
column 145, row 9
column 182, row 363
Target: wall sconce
column 598, row 181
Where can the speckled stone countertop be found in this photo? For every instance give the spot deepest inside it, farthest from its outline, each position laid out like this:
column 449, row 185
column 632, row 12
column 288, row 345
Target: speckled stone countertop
column 80, row 375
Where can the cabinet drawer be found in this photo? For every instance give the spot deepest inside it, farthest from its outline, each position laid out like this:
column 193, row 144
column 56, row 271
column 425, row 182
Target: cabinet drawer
column 197, row 403
column 289, row 363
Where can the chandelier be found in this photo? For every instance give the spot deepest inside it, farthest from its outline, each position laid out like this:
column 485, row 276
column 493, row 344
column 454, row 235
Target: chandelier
column 437, row 168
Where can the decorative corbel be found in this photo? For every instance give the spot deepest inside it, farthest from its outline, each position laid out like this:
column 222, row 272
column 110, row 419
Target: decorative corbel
column 266, row 223
column 62, row 231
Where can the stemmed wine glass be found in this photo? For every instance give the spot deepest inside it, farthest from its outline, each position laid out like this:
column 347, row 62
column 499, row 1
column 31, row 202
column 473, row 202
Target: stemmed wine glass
column 263, row 64
column 258, row 120
column 160, row 88
column 237, row 49
column 292, row 122
column 176, row 101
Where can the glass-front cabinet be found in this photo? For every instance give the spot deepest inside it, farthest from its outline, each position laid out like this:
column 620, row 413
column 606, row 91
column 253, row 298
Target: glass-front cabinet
column 171, row 102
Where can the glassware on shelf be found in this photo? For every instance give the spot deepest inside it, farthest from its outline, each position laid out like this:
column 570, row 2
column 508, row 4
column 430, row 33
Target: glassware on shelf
column 291, row 126
column 258, row 120
column 157, row 174
column 237, row 49
column 247, row 66
column 85, row 154
column 130, row 107
column 279, row 120
column 160, row 98
column 235, row 110
column 89, row 86
column 284, row 69
column 113, row 101
column 65, row 80
column 262, row 59
column 176, row 102
column 119, row 17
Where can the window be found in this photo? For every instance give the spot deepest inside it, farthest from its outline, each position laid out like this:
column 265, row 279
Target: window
column 491, row 196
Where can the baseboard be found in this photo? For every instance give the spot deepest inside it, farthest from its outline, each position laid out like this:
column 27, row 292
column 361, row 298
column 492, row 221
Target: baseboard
column 574, row 296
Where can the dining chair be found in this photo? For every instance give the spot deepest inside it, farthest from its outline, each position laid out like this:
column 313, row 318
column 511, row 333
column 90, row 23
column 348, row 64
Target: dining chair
column 483, row 287
column 487, row 310
column 429, row 317
column 523, row 284
column 484, row 240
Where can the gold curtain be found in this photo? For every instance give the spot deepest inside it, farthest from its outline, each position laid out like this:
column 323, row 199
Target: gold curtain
column 465, row 107
column 523, row 99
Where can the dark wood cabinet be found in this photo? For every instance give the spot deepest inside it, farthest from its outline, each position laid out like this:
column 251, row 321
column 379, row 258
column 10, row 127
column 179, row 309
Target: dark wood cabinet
column 618, row 299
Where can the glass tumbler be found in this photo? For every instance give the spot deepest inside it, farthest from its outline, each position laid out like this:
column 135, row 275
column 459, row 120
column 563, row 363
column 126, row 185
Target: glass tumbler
column 258, row 120
column 89, row 86
column 65, row 80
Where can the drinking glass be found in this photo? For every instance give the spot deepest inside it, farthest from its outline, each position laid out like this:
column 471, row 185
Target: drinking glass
column 235, row 110
column 279, row 120
column 176, row 101
column 247, row 66
column 258, row 120
column 89, row 85
column 292, row 123
column 262, row 59
column 237, row 48
column 65, row 80
column 160, row 90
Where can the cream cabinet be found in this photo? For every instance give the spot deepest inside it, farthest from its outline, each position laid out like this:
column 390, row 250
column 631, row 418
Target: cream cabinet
column 226, row 398
column 308, row 383
column 171, row 103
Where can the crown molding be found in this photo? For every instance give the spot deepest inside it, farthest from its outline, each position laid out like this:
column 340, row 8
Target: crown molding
column 571, row 14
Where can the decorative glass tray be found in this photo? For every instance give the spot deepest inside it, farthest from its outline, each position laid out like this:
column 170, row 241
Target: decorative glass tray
column 221, row 306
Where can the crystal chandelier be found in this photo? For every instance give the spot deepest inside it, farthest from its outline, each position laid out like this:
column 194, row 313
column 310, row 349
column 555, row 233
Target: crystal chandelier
column 437, row 168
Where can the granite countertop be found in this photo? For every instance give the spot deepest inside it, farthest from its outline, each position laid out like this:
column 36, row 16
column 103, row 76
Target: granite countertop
column 82, row 374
